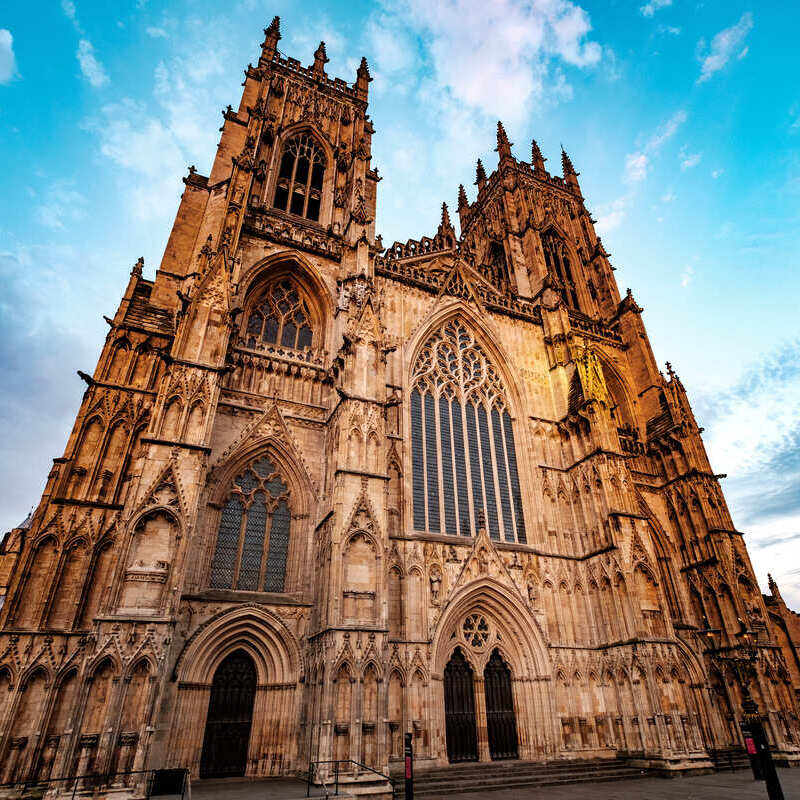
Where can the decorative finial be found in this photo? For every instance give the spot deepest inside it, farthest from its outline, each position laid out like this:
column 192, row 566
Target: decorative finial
column 274, row 28
column 503, row 148
column 320, row 60
column 462, row 197
column 480, row 174
column 138, row 267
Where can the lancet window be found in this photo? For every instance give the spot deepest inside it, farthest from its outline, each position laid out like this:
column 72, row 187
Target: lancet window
column 302, row 170
column 464, row 461
column 253, row 536
column 557, row 259
column 281, row 316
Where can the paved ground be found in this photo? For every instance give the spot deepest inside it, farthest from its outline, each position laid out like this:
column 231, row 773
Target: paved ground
column 721, row 786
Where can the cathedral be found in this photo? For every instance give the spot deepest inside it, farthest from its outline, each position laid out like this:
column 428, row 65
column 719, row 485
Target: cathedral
column 321, row 493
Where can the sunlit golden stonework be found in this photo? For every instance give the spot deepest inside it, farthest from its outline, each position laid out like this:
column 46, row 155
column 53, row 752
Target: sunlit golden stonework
column 320, row 492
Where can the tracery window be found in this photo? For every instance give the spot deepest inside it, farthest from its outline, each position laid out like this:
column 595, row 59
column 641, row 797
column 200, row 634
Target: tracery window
column 302, row 169
column 557, row 259
column 253, row 536
column 281, row 317
column 464, row 462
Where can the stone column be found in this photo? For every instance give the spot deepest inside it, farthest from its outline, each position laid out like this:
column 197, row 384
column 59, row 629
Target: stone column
column 481, row 723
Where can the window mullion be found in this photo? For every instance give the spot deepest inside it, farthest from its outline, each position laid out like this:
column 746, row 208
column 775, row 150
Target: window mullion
column 238, row 562
column 496, row 480
column 262, row 573
column 509, row 484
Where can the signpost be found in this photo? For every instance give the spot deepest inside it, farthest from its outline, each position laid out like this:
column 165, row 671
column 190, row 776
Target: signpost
column 408, row 752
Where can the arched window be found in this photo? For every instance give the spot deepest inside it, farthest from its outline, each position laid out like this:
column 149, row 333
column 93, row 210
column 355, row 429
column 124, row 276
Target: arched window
column 464, row 463
column 557, row 260
column 281, row 316
column 253, row 537
column 299, row 188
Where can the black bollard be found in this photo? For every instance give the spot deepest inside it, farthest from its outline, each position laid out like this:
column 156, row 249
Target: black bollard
column 408, row 751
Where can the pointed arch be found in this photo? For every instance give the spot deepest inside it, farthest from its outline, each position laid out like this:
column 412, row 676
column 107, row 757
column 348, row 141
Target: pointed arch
column 463, row 449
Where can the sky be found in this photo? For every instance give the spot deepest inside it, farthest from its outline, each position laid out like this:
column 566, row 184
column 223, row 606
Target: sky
column 683, row 119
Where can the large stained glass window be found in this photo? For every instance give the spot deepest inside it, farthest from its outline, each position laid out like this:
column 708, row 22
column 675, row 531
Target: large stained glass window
column 253, row 536
column 463, row 460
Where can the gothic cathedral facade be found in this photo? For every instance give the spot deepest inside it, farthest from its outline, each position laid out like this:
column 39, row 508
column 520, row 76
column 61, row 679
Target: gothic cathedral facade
column 320, row 493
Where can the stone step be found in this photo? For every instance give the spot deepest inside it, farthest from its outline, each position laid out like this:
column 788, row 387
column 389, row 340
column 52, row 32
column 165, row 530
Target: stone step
column 485, row 777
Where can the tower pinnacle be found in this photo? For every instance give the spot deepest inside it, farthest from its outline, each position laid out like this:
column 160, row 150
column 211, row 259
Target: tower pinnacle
column 320, row 60
column 480, row 175
column 503, row 148
column 363, row 78
column 462, row 197
column 272, row 35
column 537, row 159
column 570, row 176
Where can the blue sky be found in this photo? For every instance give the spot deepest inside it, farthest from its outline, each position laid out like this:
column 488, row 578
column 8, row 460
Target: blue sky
column 683, row 119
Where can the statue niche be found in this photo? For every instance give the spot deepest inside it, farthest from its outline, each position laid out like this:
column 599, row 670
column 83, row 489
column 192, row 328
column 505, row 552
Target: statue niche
column 148, row 564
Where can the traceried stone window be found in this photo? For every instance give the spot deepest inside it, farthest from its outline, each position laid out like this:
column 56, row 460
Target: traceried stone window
column 464, row 462
column 557, row 259
column 476, row 630
column 280, row 317
column 253, row 536
column 302, row 169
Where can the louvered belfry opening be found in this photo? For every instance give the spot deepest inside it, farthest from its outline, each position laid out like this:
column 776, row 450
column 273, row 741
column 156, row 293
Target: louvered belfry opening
column 464, row 461
column 253, row 537
column 300, row 177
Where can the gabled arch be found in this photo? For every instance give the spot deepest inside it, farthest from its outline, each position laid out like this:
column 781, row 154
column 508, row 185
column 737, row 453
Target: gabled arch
column 261, row 634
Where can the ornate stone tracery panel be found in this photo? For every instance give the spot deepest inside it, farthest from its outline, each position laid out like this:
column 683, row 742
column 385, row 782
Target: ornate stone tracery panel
column 458, row 403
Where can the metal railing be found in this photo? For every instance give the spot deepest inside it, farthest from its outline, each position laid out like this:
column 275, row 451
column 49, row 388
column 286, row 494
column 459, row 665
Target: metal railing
column 317, row 776
column 153, row 783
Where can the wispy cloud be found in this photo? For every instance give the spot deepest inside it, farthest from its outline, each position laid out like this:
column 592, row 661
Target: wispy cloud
column 687, row 275
column 724, row 46
column 668, row 197
column 650, row 8
column 155, row 32
column 8, row 62
column 716, row 173
column 612, row 215
column 672, row 30
column 91, row 68
column 638, row 163
column 689, row 160
column 61, row 207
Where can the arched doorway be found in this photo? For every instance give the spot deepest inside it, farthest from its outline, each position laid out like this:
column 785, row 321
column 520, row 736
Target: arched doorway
column 459, row 710
column 230, row 715
column 501, row 721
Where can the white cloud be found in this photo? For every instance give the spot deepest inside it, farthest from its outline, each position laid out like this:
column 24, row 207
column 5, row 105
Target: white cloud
column 61, row 207
column 672, row 30
column 92, row 69
column 723, row 46
column 70, row 12
column 635, row 167
column 687, row 276
column 494, row 57
column 716, row 173
column 612, row 215
column 668, row 197
column 689, row 160
column 8, row 62
column 156, row 33
column 654, row 5
column 638, row 163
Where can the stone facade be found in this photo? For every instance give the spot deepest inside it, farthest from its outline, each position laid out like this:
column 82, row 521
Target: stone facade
column 316, row 486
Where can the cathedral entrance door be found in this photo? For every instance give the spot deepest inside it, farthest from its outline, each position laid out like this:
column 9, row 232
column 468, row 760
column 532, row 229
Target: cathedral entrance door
column 230, row 714
column 501, row 721
column 459, row 710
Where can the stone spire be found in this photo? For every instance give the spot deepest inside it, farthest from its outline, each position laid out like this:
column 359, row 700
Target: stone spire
column 537, row 159
column 446, row 229
column 462, row 197
column 320, row 60
column 446, row 217
column 363, row 79
column 480, row 175
column 773, row 588
column 503, row 148
column 271, row 36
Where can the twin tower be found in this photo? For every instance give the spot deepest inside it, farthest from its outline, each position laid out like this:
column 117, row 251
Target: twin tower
column 320, row 493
